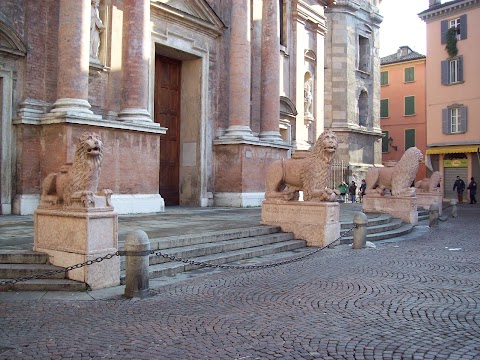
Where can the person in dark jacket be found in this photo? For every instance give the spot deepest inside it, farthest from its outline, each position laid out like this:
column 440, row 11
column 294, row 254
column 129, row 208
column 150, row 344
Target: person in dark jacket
column 460, row 186
column 472, row 186
column 352, row 191
column 362, row 189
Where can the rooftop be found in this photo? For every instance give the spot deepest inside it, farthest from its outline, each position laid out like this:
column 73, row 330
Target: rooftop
column 404, row 53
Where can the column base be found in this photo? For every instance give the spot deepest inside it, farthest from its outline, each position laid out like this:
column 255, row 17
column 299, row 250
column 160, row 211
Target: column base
column 402, row 207
column 316, row 222
column 69, row 105
column 72, row 237
column 238, row 199
column 239, row 132
column 270, row 136
column 134, row 115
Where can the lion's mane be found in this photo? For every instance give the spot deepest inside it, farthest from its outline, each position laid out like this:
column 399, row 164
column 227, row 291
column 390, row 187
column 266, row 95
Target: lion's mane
column 81, row 177
column 397, row 178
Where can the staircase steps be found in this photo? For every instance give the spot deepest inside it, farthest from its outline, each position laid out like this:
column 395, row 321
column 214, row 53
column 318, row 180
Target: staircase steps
column 23, row 263
column 423, row 215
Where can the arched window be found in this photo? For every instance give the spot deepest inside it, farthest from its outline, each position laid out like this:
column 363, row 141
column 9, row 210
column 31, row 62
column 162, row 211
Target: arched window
column 363, row 108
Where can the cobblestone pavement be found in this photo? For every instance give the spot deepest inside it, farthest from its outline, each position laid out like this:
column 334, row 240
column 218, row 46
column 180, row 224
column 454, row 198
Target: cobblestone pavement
column 412, row 299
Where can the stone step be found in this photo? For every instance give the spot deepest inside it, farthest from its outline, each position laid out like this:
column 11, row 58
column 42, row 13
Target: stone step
column 373, row 220
column 157, row 243
column 13, row 271
column 174, row 267
column 402, row 230
column 22, row 257
column 193, row 251
column 392, row 225
column 44, row 285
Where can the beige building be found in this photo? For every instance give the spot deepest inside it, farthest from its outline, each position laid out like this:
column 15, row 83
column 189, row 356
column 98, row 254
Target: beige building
column 453, row 91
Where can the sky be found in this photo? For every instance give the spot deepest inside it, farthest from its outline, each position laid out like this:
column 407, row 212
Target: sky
column 402, row 26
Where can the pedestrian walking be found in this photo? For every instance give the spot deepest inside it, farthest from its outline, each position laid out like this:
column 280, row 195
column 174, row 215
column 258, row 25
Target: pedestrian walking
column 472, row 187
column 352, row 191
column 459, row 185
column 363, row 187
column 343, row 187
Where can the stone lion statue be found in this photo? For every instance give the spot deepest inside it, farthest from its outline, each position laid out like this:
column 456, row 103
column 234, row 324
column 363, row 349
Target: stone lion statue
column 429, row 184
column 397, row 179
column 77, row 182
column 286, row 177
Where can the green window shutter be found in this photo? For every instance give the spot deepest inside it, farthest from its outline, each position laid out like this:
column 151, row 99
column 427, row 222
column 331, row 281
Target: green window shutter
column 409, row 74
column 409, row 138
column 384, row 108
column 385, row 141
column 410, row 105
column 384, row 78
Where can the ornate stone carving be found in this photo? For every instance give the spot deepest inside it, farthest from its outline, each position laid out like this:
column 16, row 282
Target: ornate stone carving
column 286, row 177
column 96, row 27
column 308, row 98
column 429, row 185
column 397, row 179
column 76, row 184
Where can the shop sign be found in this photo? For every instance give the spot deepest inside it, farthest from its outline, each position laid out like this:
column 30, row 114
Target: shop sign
column 455, row 163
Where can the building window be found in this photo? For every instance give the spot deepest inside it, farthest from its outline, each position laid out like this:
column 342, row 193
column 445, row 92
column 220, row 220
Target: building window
column 454, row 119
column 384, row 108
column 283, row 23
column 409, row 74
column 452, row 71
column 384, row 78
column 385, row 142
column 409, row 105
column 363, row 53
column 409, row 138
column 460, row 24
column 363, row 108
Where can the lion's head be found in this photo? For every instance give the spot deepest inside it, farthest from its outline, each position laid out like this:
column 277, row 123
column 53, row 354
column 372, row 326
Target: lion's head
column 326, row 144
column 90, row 147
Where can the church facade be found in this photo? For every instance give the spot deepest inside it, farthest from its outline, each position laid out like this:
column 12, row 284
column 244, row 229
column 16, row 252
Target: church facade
column 192, row 98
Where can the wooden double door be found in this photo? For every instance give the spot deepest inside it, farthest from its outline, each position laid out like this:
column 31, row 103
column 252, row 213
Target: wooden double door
column 167, row 113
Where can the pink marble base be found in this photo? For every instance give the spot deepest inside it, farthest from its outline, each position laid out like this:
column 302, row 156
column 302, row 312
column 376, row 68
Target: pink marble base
column 73, row 237
column 316, row 222
column 424, row 200
column 402, row 207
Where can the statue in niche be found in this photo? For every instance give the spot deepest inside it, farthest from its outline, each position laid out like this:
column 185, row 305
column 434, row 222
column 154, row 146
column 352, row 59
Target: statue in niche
column 308, row 98
column 96, row 27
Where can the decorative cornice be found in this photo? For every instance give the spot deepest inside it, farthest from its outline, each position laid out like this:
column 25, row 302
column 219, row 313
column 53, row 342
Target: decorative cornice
column 446, row 8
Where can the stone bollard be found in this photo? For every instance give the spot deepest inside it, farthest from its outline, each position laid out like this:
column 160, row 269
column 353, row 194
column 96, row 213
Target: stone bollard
column 137, row 251
column 433, row 212
column 360, row 232
column 453, row 202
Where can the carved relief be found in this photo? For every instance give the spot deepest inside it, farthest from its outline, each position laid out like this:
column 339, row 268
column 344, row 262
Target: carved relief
column 286, row 177
column 76, row 184
column 397, row 179
column 308, row 98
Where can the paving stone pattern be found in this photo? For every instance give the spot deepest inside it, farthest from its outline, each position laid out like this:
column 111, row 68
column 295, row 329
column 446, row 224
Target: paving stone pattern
column 411, row 299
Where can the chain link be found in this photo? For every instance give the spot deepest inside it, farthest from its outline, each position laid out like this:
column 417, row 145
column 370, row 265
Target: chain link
column 246, row 267
column 57, row 271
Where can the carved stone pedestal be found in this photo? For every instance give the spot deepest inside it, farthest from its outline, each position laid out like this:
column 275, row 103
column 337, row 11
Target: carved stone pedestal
column 402, row 207
column 316, row 222
column 424, row 200
column 73, row 236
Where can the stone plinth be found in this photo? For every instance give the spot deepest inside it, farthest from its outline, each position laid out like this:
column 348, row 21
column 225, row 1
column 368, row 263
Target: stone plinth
column 316, row 222
column 71, row 237
column 424, row 200
column 402, row 207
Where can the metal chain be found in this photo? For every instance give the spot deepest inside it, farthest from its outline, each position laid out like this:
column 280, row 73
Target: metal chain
column 57, row 271
column 242, row 267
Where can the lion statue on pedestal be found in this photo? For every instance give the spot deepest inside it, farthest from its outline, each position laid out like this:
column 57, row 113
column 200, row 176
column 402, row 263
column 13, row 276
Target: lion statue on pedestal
column 429, row 185
column 286, row 177
column 77, row 182
column 398, row 179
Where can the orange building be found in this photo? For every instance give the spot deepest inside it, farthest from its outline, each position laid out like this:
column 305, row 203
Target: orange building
column 453, row 90
column 402, row 105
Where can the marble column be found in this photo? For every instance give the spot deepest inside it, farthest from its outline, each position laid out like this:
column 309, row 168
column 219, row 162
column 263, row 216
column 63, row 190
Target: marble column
column 73, row 57
column 270, row 94
column 136, row 54
column 240, row 72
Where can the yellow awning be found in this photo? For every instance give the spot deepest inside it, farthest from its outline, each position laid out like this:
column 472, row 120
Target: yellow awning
column 454, row 149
